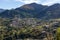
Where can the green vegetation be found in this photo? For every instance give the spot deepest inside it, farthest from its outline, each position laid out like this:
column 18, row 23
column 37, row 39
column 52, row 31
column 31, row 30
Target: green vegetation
column 29, row 28
column 58, row 33
column 30, row 21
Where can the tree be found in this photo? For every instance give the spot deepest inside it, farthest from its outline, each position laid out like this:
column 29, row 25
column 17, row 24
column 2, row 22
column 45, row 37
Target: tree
column 58, row 34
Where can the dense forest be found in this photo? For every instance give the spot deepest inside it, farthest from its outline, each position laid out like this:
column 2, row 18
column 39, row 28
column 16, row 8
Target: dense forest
column 29, row 28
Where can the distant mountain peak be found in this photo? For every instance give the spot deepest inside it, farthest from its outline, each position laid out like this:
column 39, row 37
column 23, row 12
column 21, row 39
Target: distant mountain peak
column 56, row 4
column 33, row 3
column 1, row 10
column 36, row 4
column 33, row 6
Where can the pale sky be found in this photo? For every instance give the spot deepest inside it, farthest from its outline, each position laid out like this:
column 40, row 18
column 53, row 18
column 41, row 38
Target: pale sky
column 8, row 4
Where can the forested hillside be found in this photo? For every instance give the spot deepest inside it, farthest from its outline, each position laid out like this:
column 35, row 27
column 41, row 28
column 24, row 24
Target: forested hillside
column 34, row 10
column 31, row 22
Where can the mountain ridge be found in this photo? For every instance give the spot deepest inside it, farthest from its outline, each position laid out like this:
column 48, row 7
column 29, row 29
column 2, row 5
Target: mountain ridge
column 1, row 10
column 34, row 10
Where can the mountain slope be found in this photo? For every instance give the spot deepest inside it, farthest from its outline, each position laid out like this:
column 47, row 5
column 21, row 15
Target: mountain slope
column 34, row 10
column 52, row 11
column 1, row 10
column 25, row 11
